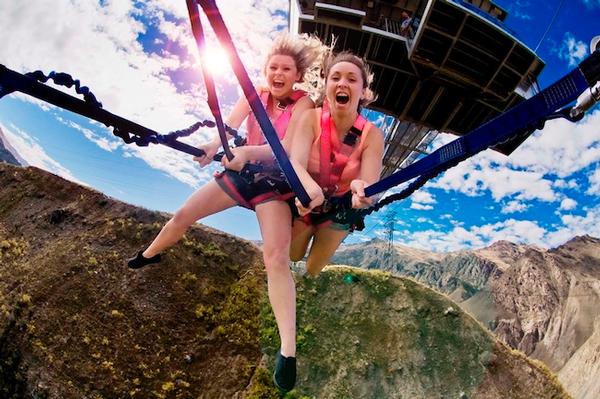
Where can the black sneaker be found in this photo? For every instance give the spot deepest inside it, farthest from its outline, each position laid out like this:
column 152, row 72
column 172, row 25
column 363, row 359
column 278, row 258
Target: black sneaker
column 284, row 376
column 140, row 261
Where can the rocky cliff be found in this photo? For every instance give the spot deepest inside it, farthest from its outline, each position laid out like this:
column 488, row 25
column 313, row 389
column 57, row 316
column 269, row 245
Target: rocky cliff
column 7, row 153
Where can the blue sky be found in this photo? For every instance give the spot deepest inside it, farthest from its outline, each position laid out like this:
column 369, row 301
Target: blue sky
column 140, row 60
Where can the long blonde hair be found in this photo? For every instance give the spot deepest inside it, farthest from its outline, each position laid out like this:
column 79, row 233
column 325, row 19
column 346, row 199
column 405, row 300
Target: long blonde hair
column 308, row 52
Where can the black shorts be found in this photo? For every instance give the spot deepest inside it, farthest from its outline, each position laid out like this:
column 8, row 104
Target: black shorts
column 250, row 190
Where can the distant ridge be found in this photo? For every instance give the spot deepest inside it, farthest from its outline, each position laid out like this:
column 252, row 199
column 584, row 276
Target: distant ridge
column 544, row 302
column 8, row 154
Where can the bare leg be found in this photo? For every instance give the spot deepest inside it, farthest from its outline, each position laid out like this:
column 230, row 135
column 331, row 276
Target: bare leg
column 274, row 218
column 325, row 242
column 209, row 199
column 301, row 236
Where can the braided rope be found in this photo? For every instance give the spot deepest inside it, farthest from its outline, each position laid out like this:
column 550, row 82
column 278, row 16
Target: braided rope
column 144, row 141
column 64, row 79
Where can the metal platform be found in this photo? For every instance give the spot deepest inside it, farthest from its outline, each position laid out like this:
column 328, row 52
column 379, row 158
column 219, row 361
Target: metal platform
column 456, row 67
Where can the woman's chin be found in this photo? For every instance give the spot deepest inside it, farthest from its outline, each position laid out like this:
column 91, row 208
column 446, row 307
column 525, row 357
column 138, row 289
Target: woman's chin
column 281, row 92
column 342, row 107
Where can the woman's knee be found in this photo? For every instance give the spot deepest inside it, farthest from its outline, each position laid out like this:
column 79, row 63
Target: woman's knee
column 297, row 253
column 181, row 219
column 296, row 256
column 276, row 257
column 314, row 268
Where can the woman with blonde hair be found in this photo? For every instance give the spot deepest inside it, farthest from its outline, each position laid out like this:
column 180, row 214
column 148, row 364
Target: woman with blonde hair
column 289, row 61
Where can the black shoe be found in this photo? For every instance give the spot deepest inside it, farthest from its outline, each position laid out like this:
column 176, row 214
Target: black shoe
column 284, row 376
column 140, row 261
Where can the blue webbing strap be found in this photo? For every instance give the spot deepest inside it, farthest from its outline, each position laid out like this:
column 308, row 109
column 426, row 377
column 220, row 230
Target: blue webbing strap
column 213, row 101
column 528, row 115
column 218, row 25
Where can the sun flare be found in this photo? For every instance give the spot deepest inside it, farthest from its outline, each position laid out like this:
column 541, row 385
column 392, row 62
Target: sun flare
column 216, row 59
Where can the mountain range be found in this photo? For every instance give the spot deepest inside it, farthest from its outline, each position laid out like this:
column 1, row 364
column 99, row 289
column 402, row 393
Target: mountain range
column 544, row 302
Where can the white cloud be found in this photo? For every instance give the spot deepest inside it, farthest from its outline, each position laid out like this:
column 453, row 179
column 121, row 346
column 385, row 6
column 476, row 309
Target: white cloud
column 33, row 153
column 594, row 180
column 456, row 223
column 517, row 9
column 535, row 170
column 100, row 43
column 573, row 50
column 514, row 206
column 477, row 236
column 421, row 200
column 441, row 241
column 421, row 207
column 102, row 142
column 423, row 197
column 487, row 173
column 576, row 225
column 562, row 148
column 517, row 231
column 567, row 204
column 562, row 184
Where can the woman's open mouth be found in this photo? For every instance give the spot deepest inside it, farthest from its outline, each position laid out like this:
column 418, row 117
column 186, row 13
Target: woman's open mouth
column 342, row 98
column 278, row 85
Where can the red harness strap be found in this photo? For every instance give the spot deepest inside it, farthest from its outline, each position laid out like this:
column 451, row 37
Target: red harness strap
column 333, row 162
column 280, row 123
column 287, row 105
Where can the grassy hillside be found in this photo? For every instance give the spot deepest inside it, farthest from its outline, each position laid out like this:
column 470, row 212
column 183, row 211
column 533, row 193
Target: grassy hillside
column 76, row 323
column 368, row 334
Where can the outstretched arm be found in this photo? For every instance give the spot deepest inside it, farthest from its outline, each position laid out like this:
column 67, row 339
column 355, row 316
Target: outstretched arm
column 265, row 152
column 304, row 134
column 370, row 169
column 240, row 112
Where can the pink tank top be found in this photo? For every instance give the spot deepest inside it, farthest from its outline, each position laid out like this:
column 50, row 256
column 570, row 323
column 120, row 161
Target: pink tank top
column 281, row 117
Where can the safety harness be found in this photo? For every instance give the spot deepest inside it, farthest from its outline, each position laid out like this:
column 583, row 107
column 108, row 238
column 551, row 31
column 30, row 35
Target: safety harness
column 286, row 105
column 333, row 163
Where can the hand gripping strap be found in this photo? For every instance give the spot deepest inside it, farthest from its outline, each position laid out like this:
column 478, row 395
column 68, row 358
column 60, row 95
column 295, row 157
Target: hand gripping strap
column 332, row 163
